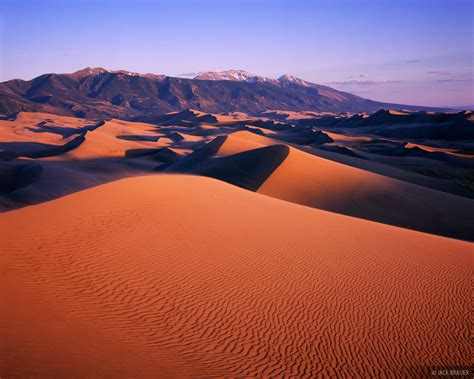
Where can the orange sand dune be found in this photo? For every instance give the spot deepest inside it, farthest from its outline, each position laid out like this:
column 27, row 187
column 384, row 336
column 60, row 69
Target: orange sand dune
column 189, row 137
column 138, row 278
column 243, row 141
column 293, row 115
column 337, row 137
column 432, row 149
column 28, row 129
column 232, row 117
column 179, row 140
column 34, row 118
column 165, row 141
column 399, row 113
column 206, row 127
column 310, row 180
column 114, row 138
column 264, row 130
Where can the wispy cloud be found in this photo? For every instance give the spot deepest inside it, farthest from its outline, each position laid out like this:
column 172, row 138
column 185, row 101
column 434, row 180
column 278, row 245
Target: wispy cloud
column 438, row 73
column 357, row 76
column 364, row 83
column 413, row 61
column 70, row 53
column 452, row 80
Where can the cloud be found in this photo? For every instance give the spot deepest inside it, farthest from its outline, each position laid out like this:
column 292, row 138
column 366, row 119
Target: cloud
column 70, row 53
column 452, row 80
column 413, row 61
column 358, row 76
column 438, row 73
column 364, row 83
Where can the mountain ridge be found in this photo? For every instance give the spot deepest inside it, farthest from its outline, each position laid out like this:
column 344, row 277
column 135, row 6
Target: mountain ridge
column 100, row 93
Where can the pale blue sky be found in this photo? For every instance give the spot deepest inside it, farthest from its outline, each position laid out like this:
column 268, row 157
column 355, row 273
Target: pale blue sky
column 405, row 51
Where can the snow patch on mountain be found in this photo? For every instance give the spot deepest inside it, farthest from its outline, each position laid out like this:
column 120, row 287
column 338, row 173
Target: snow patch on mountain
column 244, row 76
column 234, row 75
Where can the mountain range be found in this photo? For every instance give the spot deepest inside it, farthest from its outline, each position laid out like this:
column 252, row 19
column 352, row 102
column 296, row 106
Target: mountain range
column 101, row 93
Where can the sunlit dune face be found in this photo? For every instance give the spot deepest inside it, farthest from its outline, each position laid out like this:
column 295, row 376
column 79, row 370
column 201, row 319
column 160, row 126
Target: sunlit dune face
column 341, row 138
column 410, row 145
column 136, row 267
column 41, row 128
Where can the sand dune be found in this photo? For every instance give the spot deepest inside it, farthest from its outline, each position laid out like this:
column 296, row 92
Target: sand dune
column 186, row 118
column 317, row 182
column 342, row 138
column 19, row 175
column 313, row 181
column 73, row 154
column 34, row 134
column 242, row 141
column 114, row 138
column 438, row 149
column 146, row 280
column 38, row 120
column 290, row 115
column 248, row 169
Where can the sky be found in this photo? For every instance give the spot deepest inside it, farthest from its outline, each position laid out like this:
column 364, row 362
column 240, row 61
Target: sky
column 417, row 52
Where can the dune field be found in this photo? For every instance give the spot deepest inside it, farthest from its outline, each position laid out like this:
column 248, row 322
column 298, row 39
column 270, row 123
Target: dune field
column 277, row 244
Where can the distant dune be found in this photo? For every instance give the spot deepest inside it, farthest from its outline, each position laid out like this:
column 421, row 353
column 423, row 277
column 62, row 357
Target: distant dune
column 141, row 277
column 35, row 134
column 113, row 139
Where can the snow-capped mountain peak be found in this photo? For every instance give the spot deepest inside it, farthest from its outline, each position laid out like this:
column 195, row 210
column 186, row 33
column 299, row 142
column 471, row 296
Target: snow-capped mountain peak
column 293, row 79
column 244, row 76
column 235, row 75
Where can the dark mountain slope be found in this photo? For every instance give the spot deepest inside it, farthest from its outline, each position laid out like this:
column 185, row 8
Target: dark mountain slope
column 101, row 93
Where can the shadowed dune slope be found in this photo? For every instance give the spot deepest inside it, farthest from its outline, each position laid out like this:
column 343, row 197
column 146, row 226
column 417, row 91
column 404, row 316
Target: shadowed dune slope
column 248, row 169
column 148, row 280
column 313, row 181
column 14, row 177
